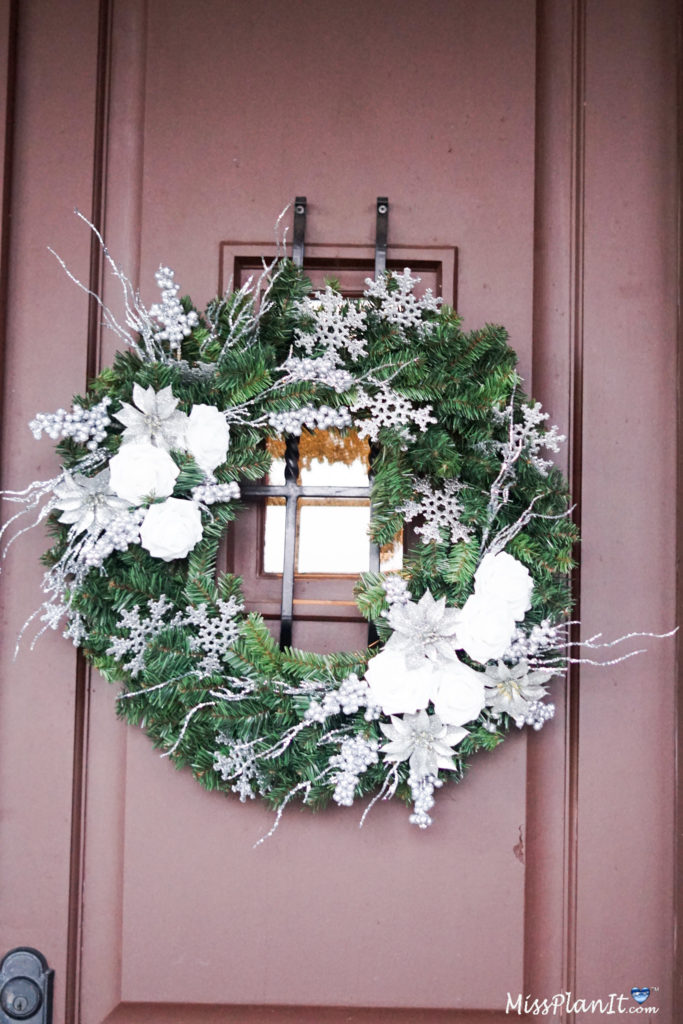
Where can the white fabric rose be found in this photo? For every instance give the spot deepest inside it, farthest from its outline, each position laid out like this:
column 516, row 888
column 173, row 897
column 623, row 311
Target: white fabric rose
column 486, row 628
column 171, row 529
column 207, row 437
column 459, row 693
column 503, row 579
column 394, row 687
column 139, row 471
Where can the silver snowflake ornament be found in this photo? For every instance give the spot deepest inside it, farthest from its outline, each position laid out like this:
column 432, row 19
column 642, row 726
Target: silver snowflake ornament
column 338, row 325
column 387, row 408
column 423, row 740
column 215, row 633
column 142, row 627
column 397, row 304
column 440, row 509
column 154, row 419
column 512, row 690
column 425, row 629
column 87, row 502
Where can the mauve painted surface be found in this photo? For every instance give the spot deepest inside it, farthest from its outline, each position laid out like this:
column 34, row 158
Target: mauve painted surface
column 626, row 773
column 45, row 357
column 430, row 103
column 439, row 106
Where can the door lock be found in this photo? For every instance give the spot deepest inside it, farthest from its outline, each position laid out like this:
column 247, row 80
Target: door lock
column 25, row 987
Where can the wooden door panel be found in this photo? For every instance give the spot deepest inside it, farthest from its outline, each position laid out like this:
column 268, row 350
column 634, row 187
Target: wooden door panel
column 486, row 126
column 322, row 914
column 289, row 922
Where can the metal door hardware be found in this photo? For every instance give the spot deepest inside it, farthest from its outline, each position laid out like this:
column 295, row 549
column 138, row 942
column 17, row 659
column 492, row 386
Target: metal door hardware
column 25, row 987
column 298, row 241
column 381, row 235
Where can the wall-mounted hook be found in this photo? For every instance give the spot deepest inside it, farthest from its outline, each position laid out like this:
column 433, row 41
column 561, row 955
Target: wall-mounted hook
column 381, row 235
column 299, row 231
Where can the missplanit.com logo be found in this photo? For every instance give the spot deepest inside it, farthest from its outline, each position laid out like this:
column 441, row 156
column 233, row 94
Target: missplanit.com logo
column 565, row 1002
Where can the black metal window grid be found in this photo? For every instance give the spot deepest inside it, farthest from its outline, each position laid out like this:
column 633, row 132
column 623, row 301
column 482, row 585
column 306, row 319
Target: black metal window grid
column 292, row 490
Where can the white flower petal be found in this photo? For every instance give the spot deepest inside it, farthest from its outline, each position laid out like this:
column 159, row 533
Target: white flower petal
column 394, row 686
column 171, row 529
column 459, row 694
column 485, row 628
column 207, row 437
column 502, row 578
column 139, row 471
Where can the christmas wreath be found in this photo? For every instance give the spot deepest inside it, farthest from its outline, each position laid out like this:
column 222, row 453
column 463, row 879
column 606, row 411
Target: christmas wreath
column 470, row 629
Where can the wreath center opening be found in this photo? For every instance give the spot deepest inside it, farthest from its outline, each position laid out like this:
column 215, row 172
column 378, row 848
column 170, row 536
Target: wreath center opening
column 303, row 539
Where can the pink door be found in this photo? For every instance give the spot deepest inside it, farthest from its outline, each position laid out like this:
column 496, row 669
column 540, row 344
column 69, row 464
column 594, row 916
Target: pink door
column 538, row 140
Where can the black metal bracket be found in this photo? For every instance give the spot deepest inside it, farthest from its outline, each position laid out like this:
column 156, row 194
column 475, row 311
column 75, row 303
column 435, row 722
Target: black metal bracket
column 298, row 240
column 25, row 987
column 381, row 235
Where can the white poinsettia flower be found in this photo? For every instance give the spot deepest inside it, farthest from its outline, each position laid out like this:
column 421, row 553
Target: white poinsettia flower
column 425, row 629
column 485, row 628
column 171, row 529
column 141, row 471
column 503, row 579
column 207, row 437
column 87, row 502
column 458, row 693
column 423, row 740
column 511, row 689
column 394, row 686
column 156, row 420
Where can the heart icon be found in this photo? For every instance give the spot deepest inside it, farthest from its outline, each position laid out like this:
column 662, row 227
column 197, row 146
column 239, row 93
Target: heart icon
column 640, row 994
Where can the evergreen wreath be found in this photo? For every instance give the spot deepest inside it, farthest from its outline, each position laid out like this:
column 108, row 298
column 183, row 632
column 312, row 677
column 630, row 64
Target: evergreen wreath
column 471, row 628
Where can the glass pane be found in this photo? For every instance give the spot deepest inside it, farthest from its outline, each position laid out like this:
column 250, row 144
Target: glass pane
column 333, row 537
column 274, row 535
column 276, row 473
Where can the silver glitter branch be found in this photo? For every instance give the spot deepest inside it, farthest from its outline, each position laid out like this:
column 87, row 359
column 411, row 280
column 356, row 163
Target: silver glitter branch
column 500, row 540
column 523, row 439
column 186, row 721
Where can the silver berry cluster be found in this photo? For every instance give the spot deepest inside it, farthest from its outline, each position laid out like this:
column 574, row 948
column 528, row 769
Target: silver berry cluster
column 176, row 323
column 422, row 791
column 537, row 714
column 396, row 589
column 118, row 534
column 355, row 757
column 322, row 371
column 351, row 695
column 85, row 426
column 209, row 493
column 542, row 637
column 322, row 418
